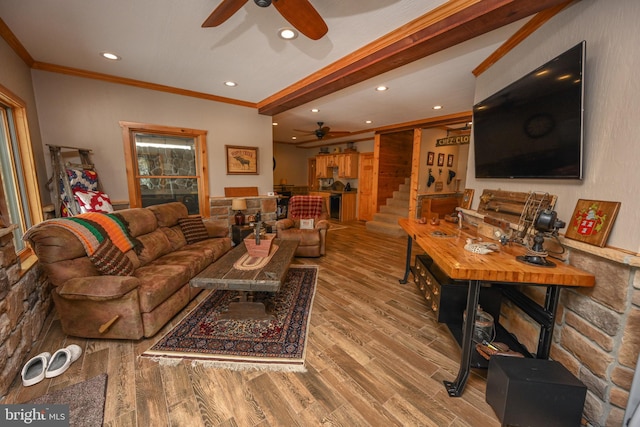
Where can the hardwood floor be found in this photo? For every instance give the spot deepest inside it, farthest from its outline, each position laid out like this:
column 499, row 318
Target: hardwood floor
column 375, row 357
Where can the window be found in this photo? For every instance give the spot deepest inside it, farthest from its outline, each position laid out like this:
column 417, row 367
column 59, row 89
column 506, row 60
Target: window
column 166, row 164
column 20, row 205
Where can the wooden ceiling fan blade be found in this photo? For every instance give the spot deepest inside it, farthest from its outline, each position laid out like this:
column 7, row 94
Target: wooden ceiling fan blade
column 303, row 17
column 223, row 12
column 308, row 132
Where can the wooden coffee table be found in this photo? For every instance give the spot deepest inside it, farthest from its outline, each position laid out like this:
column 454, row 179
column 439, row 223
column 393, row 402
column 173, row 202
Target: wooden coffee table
column 222, row 274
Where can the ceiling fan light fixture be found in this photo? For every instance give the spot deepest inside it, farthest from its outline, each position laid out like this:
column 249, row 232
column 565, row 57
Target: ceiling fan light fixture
column 263, row 3
column 287, row 33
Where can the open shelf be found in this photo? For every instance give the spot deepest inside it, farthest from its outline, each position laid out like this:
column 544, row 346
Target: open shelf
column 502, row 335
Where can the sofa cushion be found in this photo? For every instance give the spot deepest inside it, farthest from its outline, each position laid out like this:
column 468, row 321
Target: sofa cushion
column 212, row 248
column 195, row 260
column 139, row 221
column 110, row 260
column 193, row 229
column 158, row 281
column 167, row 214
column 154, row 245
column 175, row 236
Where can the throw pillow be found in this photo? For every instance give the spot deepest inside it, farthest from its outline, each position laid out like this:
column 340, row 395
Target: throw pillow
column 306, row 224
column 193, row 229
column 110, row 260
column 93, row 201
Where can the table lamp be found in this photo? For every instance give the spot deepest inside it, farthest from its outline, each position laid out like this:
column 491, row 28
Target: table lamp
column 239, row 205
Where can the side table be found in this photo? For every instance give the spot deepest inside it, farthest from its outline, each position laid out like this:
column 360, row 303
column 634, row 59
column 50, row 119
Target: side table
column 239, row 232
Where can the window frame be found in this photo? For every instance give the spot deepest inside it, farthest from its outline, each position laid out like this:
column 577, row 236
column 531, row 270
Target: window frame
column 129, row 129
column 25, row 175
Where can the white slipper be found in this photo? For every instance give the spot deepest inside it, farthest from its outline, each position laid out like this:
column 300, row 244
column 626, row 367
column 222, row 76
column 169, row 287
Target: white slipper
column 61, row 360
column 34, row 370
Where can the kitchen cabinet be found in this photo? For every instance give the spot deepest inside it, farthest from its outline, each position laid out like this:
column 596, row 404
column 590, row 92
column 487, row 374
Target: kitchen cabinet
column 322, row 167
column 348, row 207
column 348, row 165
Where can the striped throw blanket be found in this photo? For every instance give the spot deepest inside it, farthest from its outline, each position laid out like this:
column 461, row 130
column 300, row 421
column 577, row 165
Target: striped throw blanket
column 93, row 228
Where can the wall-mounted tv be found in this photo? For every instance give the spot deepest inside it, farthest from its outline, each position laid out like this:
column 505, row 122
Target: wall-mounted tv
column 533, row 127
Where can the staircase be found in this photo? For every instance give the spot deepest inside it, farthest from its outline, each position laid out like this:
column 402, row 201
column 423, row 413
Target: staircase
column 386, row 221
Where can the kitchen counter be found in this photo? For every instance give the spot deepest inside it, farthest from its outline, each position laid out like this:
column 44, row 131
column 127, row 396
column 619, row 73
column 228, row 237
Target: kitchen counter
column 340, row 204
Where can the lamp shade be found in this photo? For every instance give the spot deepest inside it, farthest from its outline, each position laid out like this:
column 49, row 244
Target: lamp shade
column 238, row 204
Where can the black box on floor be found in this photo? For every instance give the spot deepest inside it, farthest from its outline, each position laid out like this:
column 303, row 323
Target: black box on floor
column 534, row 392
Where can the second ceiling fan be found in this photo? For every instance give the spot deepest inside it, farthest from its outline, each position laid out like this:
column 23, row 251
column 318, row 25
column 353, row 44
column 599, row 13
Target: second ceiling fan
column 323, row 131
column 299, row 13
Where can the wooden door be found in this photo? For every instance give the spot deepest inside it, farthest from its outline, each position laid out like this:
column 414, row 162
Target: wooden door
column 366, row 203
column 312, row 178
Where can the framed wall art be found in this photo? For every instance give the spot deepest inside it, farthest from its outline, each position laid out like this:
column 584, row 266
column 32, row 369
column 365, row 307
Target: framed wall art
column 450, row 160
column 592, row 221
column 441, row 159
column 241, row 160
column 467, row 198
column 430, row 156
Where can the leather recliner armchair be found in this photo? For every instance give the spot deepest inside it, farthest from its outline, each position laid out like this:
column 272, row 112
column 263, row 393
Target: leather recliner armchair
column 312, row 241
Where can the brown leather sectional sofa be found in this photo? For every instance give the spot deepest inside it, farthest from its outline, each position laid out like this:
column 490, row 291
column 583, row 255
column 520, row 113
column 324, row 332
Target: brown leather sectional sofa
column 94, row 305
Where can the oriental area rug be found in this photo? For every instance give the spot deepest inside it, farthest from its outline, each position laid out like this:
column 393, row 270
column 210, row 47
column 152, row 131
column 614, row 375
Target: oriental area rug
column 203, row 337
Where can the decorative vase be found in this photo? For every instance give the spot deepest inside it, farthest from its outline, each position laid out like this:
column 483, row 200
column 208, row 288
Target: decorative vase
column 260, row 249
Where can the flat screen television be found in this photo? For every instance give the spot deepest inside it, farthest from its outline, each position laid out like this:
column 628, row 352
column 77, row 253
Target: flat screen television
column 533, row 127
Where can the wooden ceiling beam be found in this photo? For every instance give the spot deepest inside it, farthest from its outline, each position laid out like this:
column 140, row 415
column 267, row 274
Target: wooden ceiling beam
column 448, row 25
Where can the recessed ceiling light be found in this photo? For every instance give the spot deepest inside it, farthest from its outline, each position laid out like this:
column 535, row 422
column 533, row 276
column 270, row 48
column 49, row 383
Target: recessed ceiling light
column 230, row 84
column 287, row 33
column 110, row 56
column 368, row 121
column 275, row 123
column 314, row 110
column 437, row 107
column 381, row 88
column 294, row 137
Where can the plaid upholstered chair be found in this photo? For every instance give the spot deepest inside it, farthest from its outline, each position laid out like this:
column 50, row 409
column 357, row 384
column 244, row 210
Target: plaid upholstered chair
column 307, row 222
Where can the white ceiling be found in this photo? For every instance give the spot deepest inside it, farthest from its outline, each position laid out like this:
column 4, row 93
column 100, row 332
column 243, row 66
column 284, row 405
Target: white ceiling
column 162, row 42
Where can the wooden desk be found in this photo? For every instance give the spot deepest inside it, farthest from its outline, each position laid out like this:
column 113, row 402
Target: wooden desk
column 444, row 243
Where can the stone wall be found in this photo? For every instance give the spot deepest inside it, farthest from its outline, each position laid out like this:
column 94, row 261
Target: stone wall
column 25, row 301
column 597, row 333
column 222, row 214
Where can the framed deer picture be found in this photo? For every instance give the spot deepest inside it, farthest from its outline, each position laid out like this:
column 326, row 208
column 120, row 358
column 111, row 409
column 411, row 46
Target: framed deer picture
column 241, row 160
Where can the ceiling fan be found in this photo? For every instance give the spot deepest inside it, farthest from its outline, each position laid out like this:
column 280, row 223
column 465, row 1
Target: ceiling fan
column 298, row 13
column 323, row 131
